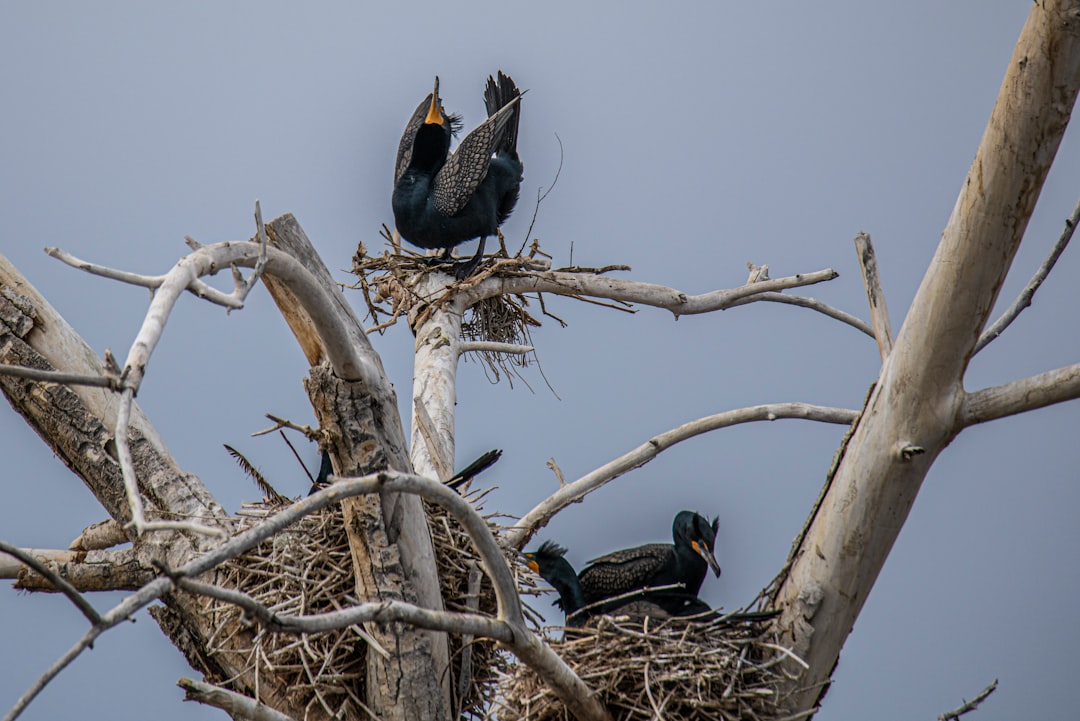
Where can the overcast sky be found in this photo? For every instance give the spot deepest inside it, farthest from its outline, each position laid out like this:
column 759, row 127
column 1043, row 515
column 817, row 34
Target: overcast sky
column 695, row 137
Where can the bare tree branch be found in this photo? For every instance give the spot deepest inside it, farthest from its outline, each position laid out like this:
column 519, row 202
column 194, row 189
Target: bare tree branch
column 103, row 534
column 381, row 611
column 879, row 311
column 235, row 704
column 197, row 287
column 66, row 588
column 493, row 347
column 969, row 705
column 1024, row 299
column 812, row 304
column 72, row 379
column 520, row 533
column 101, row 570
column 630, row 291
column 1025, row 394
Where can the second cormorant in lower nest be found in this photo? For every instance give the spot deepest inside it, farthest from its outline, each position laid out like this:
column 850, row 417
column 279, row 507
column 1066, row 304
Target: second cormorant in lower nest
column 550, row 563
column 656, row 564
column 441, row 198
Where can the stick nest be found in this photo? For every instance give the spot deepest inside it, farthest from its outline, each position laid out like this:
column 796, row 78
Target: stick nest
column 389, row 281
column 307, row 569
column 675, row 670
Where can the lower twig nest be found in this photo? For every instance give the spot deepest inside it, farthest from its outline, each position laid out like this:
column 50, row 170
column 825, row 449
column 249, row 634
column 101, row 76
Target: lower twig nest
column 675, row 670
column 307, row 569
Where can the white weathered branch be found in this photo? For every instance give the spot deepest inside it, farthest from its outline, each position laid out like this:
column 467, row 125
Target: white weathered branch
column 470, row 346
column 1025, row 394
column 969, row 705
column 520, row 533
column 629, row 291
column 153, row 282
column 1024, row 299
column 100, row 535
column 875, row 294
column 381, row 611
column 812, row 304
column 237, row 705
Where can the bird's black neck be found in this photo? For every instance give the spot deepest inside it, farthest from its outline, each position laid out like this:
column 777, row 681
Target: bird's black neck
column 430, row 149
column 563, row 579
column 692, row 567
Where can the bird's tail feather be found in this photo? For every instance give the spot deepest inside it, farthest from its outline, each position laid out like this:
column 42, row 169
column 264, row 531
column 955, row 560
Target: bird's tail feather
column 500, row 92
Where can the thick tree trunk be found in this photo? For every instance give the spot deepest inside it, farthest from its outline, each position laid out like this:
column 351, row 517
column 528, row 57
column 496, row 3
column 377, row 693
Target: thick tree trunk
column 77, row 423
column 390, row 541
column 913, row 412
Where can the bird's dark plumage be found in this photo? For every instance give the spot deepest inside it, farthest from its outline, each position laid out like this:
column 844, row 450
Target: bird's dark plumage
column 325, row 471
column 656, row 564
column 550, row 563
column 441, row 198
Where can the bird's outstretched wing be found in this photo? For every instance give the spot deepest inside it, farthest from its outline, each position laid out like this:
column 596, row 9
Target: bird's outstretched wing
column 405, row 147
column 467, row 166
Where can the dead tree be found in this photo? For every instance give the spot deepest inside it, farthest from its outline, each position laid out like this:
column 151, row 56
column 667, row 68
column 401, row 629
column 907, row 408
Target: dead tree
column 181, row 537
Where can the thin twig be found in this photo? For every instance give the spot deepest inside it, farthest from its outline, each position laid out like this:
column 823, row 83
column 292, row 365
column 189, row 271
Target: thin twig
column 72, row 379
column 969, row 705
column 1024, row 299
column 280, row 423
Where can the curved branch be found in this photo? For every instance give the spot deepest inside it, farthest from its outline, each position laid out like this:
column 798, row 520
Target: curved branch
column 629, row 291
column 235, row 704
column 153, row 282
column 520, row 533
column 813, row 304
column 1025, row 394
column 1024, row 299
column 381, row 611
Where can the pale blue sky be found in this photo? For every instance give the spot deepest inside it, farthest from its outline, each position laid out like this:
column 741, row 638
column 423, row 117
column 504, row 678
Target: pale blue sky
column 696, row 137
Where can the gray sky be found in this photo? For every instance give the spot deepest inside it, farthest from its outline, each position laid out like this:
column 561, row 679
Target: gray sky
column 697, row 137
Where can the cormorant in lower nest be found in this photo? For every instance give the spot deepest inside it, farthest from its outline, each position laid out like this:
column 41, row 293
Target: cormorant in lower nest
column 441, row 198
column 656, row 564
column 550, row 563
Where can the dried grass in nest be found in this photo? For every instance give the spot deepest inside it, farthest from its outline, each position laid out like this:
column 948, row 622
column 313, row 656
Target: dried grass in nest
column 674, row 670
column 307, row 569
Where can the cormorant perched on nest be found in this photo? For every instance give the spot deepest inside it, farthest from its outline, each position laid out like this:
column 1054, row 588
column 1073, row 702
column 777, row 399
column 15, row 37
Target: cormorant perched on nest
column 441, row 198
column 550, row 563
column 656, row 564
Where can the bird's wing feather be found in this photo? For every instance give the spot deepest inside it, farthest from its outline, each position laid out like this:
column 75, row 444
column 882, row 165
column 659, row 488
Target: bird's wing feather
column 405, row 147
column 466, row 168
column 623, row 570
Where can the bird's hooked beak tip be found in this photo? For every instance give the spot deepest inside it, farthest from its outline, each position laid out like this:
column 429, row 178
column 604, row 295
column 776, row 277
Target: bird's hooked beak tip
column 703, row 550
